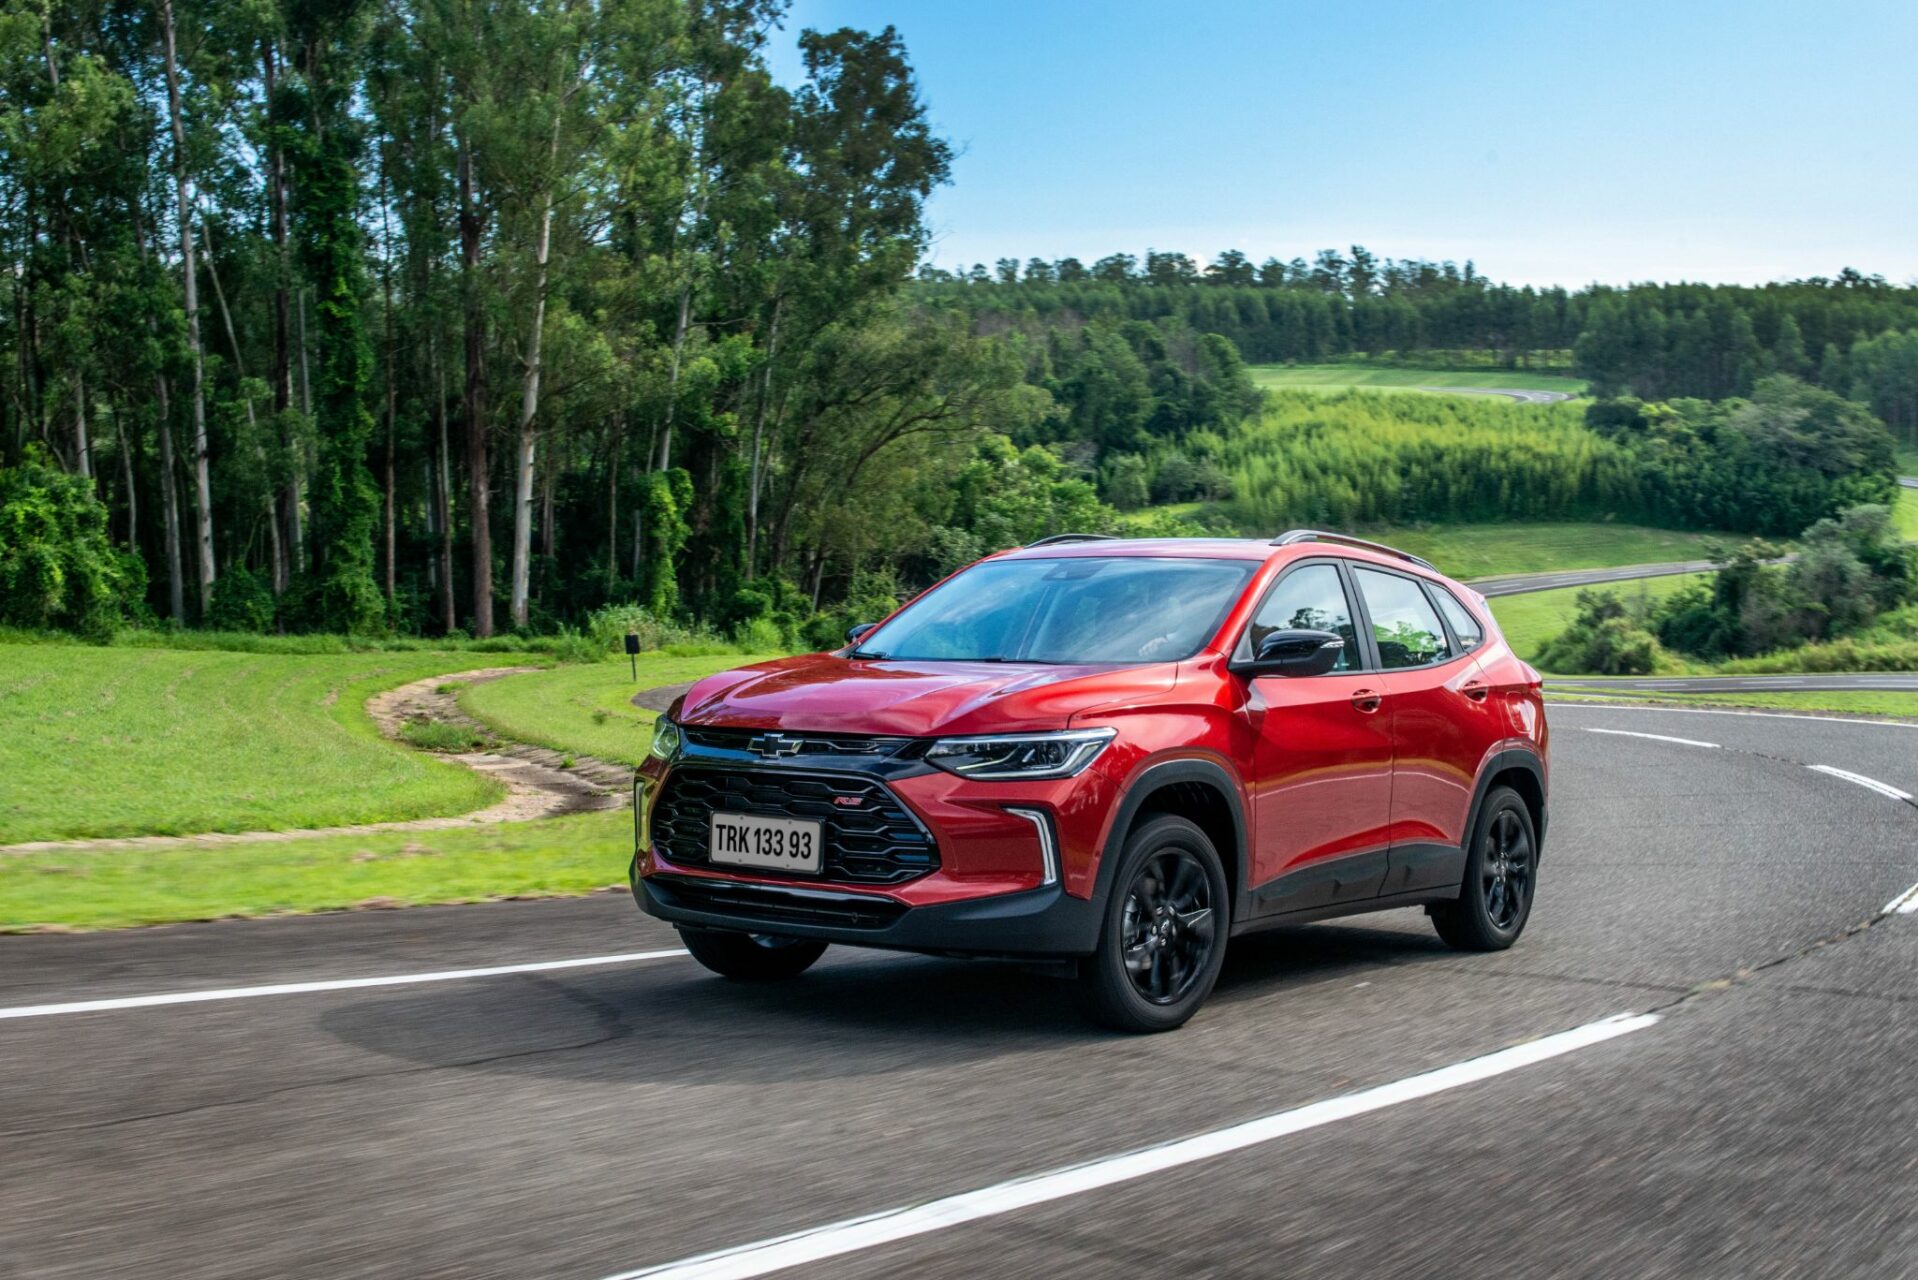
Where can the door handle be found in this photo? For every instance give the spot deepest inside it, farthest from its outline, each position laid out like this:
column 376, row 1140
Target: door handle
column 1367, row 701
column 1474, row 690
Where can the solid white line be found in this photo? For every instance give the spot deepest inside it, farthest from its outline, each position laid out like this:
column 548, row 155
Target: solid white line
column 337, row 984
column 1904, row 904
column 1724, row 711
column 1869, row 784
column 1655, row 737
column 836, row 1239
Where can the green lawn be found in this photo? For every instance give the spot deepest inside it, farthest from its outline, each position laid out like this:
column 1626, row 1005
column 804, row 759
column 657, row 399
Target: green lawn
column 1485, row 550
column 1529, row 620
column 1893, row 705
column 1338, row 376
column 586, row 709
column 1908, row 460
column 1906, row 513
column 118, row 742
column 114, row 889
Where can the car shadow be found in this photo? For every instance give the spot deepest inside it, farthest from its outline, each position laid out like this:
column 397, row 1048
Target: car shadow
column 858, row 1014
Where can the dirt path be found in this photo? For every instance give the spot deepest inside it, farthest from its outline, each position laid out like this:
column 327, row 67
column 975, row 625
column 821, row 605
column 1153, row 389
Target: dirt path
column 539, row 783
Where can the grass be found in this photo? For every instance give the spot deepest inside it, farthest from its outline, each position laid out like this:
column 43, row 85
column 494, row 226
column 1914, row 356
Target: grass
column 1339, row 376
column 1529, row 620
column 586, row 709
column 1905, row 514
column 118, row 888
column 1485, row 550
column 121, row 742
column 437, row 735
column 1907, row 455
column 1883, row 705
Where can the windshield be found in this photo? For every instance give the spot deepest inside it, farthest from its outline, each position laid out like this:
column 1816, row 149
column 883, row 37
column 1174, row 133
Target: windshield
column 1082, row 609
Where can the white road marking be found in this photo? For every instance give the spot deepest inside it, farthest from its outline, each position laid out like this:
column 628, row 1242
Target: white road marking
column 1725, row 711
column 1904, row 904
column 1655, row 737
column 1869, row 784
column 854, row 1234
column 337, row 984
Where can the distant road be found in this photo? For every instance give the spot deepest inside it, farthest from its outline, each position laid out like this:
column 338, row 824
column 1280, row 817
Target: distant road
column 1524, row 397
column 1871, row 681
column 1513, row 584
column 1910, row 482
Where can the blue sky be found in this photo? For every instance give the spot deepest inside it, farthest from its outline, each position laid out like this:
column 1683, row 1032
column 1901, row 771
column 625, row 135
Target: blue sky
column 1553, row 143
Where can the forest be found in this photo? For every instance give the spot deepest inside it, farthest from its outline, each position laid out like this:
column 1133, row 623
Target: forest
column 1851, row 333
column 446, row 317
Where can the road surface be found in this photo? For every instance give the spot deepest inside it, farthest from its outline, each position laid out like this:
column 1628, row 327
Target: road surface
column 1523, row 397
column 1755, row 1116
column 1910, row 482
column 1866, row 681
column 1514, row 584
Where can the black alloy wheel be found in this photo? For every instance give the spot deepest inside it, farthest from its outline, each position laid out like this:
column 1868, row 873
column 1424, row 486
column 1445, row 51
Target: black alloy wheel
column 1163, row 937
column 1501, row 878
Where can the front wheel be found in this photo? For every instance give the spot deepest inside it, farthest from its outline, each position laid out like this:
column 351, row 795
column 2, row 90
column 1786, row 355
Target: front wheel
column 751, row 957
column 1501, row 874
column 1163, row 938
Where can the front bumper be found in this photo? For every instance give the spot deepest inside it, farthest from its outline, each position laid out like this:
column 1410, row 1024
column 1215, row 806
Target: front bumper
column 1035, row 923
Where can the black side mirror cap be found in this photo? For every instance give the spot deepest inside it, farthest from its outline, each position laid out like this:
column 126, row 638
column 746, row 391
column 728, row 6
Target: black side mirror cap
column 857, row 630
column 1295, row 652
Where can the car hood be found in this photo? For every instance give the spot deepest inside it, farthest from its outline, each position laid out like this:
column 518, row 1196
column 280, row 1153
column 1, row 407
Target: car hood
column 828, row 693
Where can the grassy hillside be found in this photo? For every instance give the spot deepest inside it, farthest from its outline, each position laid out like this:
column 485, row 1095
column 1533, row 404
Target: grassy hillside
column 1339, row 376
column 586, row 709
column 1528, row 621
column 1906, row 513
column 120, row 742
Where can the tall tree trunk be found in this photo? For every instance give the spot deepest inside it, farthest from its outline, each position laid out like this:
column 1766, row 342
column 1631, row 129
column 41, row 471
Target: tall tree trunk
column 82, row 447
column 392, row 387
column 170, row 505
column 202, row 482
column 477, row 462
column 448, row 609
column 123, row 444
column 289, row 498
column 672, row 380
column 759, row 433
column 529, row 414
column 278, row 559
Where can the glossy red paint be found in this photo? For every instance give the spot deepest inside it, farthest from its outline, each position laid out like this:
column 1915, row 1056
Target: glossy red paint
column 1303, row 772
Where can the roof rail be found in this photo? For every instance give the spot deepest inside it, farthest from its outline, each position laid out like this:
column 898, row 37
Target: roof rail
column 1058, row 538
column 1291, row 536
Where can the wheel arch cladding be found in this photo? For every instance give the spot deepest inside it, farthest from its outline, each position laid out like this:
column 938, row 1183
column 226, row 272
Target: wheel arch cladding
column 1200, row 792
column 1522, row 772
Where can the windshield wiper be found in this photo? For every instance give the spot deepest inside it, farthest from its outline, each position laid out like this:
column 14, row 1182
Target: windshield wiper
column 867, row 654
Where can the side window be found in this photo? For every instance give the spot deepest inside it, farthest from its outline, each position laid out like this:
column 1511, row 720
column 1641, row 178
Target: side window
column 1464, row 625
column 1311, row 598
column 1408, row 631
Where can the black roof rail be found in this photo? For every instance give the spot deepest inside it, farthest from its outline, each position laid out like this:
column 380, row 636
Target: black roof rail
column 1058, row 538
column 1291, row 536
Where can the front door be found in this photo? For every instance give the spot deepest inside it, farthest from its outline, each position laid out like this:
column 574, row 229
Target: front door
column 1321, row 782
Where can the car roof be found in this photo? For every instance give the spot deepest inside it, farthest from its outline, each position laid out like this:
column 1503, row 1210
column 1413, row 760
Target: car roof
column 1214, row 549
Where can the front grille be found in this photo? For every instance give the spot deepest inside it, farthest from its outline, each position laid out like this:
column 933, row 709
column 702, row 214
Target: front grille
column 876, row 841
column 756, row 903
column 790, row 745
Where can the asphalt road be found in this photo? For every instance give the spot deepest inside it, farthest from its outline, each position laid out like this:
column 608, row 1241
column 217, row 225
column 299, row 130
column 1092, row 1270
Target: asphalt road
column 1910, row 482
column 590, row 1121
column 1514, row 584
column 1523, row 397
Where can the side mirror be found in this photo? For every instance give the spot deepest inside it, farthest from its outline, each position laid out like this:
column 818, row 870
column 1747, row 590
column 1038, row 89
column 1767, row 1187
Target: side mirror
column 858, row 629
column 1295, row 652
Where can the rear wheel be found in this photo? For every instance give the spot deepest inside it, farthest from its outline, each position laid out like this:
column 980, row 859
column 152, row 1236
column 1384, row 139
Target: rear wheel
column 1163, row 938
column 1501, row 874
column 751, row 957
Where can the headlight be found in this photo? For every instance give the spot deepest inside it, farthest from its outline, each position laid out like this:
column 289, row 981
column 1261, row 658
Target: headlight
column 665, row 739
column 1025, row 755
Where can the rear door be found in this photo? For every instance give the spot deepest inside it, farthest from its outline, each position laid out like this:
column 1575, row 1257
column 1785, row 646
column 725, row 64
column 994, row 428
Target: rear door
column 1442, row 724
column 1321, row 777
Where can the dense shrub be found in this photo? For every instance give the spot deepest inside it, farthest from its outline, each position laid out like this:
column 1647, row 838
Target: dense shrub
column 57, row 566
column 608, row 627
column 1603, row 639
column 242, row 601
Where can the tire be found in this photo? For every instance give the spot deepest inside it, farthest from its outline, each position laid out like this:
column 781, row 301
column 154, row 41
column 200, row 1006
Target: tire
column 1156, row 962
column 751, row 957
column 1501, row 878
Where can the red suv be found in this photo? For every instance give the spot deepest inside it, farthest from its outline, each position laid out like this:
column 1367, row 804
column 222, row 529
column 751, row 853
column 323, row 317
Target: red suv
column 1109, row 756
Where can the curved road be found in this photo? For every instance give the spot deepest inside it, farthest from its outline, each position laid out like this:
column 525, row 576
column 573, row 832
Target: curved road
column 1726, row 874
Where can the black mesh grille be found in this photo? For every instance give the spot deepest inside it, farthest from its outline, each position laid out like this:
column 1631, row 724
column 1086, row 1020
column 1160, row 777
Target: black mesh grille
column 777, row 906
column 793, row 745
column 870, row 838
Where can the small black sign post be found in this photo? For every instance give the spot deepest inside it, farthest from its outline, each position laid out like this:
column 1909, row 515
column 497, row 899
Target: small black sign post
column 632, row 654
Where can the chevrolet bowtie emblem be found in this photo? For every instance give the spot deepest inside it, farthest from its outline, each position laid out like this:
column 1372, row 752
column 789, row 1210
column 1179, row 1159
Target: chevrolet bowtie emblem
column 774, row 744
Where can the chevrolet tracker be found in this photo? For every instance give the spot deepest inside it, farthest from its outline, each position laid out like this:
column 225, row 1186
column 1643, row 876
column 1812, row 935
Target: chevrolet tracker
column 1111, row 757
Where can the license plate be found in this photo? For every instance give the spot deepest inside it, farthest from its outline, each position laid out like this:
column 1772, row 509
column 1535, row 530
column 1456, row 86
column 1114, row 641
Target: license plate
column 779, row 844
